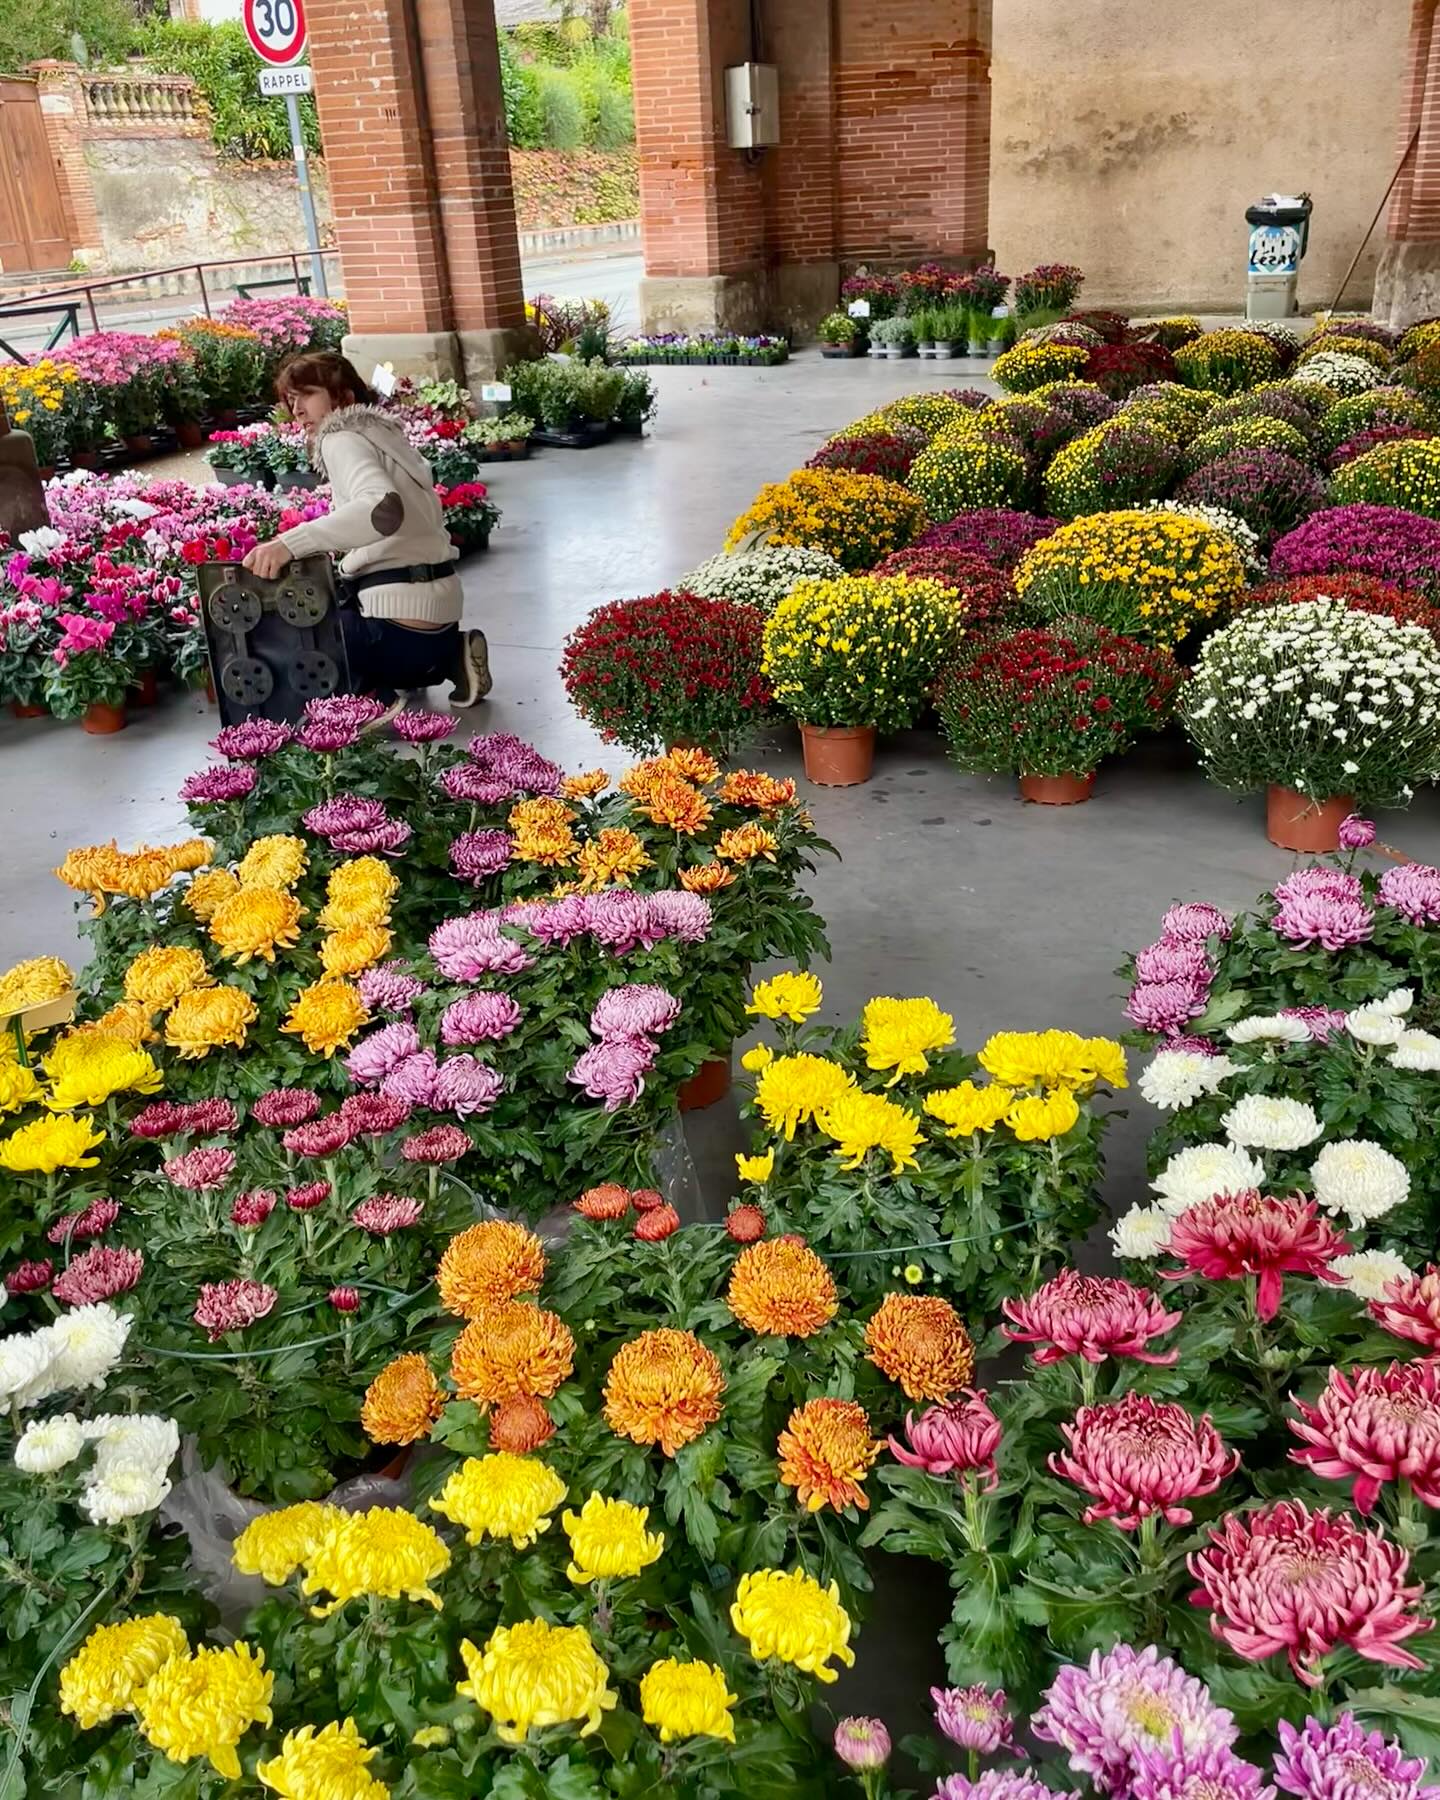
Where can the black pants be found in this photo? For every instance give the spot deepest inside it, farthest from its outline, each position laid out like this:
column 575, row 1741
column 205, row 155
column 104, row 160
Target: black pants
column 385, row 656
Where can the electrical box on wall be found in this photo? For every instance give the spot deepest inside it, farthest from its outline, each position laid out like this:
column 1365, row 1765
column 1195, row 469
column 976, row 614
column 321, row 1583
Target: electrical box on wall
column 752, row 105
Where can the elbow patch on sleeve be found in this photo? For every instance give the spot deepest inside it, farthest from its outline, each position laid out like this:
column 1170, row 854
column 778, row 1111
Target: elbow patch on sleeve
column 388, row 515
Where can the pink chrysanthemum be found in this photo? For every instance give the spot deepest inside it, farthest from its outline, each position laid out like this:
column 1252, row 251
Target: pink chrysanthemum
column 477, row 786
column 252, row 1209
column 479, row 1019
column 1193, row 922
column 477, row 855
column 384, row 1213
column 466, row 1087
column 212, row 787
column 252, row 738
column 413, row 1079
column 1238, row 1235
column 1411, row 1309
column 29, row 1277
column 1140, row 1457
column 1324, row 919
column 639, row 1010
column 1092, row 1317
column 158, row 1120
column 1212, row 1773
column 232, row 1305
column 205, row 1118
column 1413, row 889
column 98, row 1274
column 319, row 1137
column 375, row 1056
column 441, row 1144
column 1322, row 1022
column 1171, row 960
column 1318, row 882
column 1374, row 1426
column 373, row 1115
column 674, row 913
column 1166, row 1006
column 999, row 1784
column 1285, row 1578
column 416, row 727
column 283, row 1107
column 197, row 1171
column 1356, row 833
column 79, row 1227
column 345, row 1299
column 465, row 949
column 307, row 1197
column 955, row 1439
column 975, row 1718
column 1343, row 1761
column 614, row 1070
column 389, row 988
column 555, row 922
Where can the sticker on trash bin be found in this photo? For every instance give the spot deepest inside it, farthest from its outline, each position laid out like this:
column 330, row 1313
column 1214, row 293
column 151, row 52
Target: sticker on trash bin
column 1274, row 250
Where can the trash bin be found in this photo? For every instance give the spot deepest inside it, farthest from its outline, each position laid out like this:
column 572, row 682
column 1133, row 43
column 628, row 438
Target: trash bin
column 1279, row 235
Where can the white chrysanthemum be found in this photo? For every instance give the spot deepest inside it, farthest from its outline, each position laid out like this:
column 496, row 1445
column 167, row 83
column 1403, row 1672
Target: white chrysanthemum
column 1398, row 1002
column 1373, row 1025
column 1368, row 1273
column 1143, row 1233
column 1419, row 1050
column 145, row 1439
column 1268, row 1029
column 49, row 1444
column 89, row 1341
column 1177, row 1078
column 1359, row 1179
column 1266, row 1122
column 1203, row 1171
column 124, row 1493
column 760, row 577
column 26, row 1363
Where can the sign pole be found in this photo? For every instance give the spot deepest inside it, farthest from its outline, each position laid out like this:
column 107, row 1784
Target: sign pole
column 307, row 199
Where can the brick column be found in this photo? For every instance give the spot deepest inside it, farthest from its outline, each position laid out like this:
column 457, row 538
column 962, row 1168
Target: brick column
column 62, row 107
column 1407, row 281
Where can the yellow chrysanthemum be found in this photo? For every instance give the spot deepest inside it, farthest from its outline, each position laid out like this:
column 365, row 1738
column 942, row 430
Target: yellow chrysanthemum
column 897, row 1034
column 967, row 1109
column 794, row 1089
column 256, row 922
column 787, row 995
column 511, row 1350
column 585, row 786
column 612, row 858
column 501, row 1496
column 825, row 1453
column 493, row 1261
column 89, row 1069
column 359, row 892
column 194, row 853
column 277, row 1544
column 126, row 1021
column 535, row 1674
column 920, row 1341
column 1036, row 1118
column 160, row 975
column 402, row 1402
column 608, row 1540
column 687, row 1699
column 327, row 1015
column 385, row 1551
column 780, row 1288
column 114, row 1662
column 707, row 878
column 756, row 1168
column 45, row 1145
column 860, row 1123
column 328, row 1764
column 791, row 1617
column 431, row 1737
column 352, row 948
column 210, row 889
column 203, row 1704
column 35, row 982
column 277, row 862
column 542, row 834
column 209, row 1019
column 759, row 1057
column 743, row 843
column 18, row 1087
column 663, row 1388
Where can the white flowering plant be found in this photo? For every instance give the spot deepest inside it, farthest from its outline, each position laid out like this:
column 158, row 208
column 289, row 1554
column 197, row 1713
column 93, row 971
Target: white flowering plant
column 1244, row 537
column 1341, row 373
column 1320, row 699
column 761, row 577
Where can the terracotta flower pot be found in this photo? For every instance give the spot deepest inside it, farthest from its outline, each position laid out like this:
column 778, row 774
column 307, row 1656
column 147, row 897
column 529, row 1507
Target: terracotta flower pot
column 101, row 718
column 709, row 1083
column 189, row 435
column 1295, row 822
column 146, row 689
column 1056, row 790
column 23, row 709
column 838, row 755
column 210, row 690
column 85, row 459
column 139, row 443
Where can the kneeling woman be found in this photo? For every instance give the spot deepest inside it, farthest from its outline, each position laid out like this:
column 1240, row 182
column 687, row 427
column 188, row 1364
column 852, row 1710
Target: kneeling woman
column 401, row 593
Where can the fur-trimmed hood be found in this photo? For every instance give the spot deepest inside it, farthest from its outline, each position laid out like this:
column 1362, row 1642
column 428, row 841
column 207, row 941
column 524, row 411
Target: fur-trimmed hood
column 383, row 430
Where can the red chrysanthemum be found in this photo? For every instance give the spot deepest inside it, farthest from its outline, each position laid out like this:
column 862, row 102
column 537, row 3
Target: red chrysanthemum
column 651, row 1227
column 745, row 1224
column 1092, row 1317
column 1237, row 1235
column 1411, row 1309
column 1139, row 1457
column 1374, row 1426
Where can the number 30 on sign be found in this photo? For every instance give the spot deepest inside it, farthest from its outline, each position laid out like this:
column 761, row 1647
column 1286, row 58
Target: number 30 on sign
column 276, row 28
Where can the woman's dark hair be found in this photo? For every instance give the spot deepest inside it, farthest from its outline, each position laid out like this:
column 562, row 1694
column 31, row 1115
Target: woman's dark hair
column 326, row 369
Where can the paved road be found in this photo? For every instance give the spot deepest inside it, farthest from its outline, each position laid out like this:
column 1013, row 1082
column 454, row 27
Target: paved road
column 587, row 274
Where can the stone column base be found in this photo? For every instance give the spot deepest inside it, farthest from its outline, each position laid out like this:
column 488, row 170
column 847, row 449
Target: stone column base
column 1407, row 284
column 804, row 293
column 692, row 303
column 423, row 355
column 486, row 354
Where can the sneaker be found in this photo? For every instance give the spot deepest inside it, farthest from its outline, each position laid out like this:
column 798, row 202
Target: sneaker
column 472, row 680
column 393, row 709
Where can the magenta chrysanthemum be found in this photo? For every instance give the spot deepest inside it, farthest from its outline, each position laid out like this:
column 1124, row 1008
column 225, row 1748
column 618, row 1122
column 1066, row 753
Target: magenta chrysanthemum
column 1165, row 1006
column 79, row 1227
column 1090, row 1316
column 199, row 1170
column 319, row 1137
column 253, row 1208
column 1316, row 882
column 958, row 1438
column 283, row 1107
column 556, row 922
column 209, row 787
column 1322, row 1022
column 465, row 1087
column 476, row 855
column 1374, row 1426
column 345, row 1299
column 357, row 825
column 477, row 786
column 1140, row 1457
column 1287, row 1579
column 1356, row 833
column 465, row 949
column 975, row 1718
column 1411, row 1309
column 441, row 1144
column 1213, row 1772
column 1239, row 1235
column 205, row 1118
column 999, row 1784
column 1192, row 922
column 1343, row 1761
column 383, row 1213
column 639, row 1010
column 479, row 1019
column 373, row 1115
column 1413, row 889
column 158, row 1120
column 232, row 1305
column 621, row 921
column 98, row 1274
column 252, row 738
column 614, row 1070
column 389, row 988
column 417, row 727
column 677, row 914
column 29, row 1277
column 307, row 1197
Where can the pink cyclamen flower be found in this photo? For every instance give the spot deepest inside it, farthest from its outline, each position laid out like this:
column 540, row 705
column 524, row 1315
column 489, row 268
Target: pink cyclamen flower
column 1322, row 1022
column 375, row 1056
column 1343, row 1761
column 29, row 1277
column 1356, row 833
column 1165, row 1006
column 478, row 1019
column 283, row 1107
column 197, row 1171
column 252, row 738
column 384, row 1213
column 345, row 1299
column 232, row 1305
column 1411, row 1309
column 1286, row 1578
column 1322, row 919
column 465, row 949
column 975, row 1718
column 1090, row 1316
column 1105, row 1712
column 424, row 727
column 1238, row 1235
column 307, row 1197
column 639, row 1010
column 999, row 1784
column 476, row 855
column 1140, row 1457
column 1374, row 1426
column 98, row 1274
column 252, row 1209
column 413, row 1080
column 319, row 1137
column 465, row 1087
column 862, row 1743
column 1413, row 889
column 1212, row 1773
column 389, row 988
column 441, row 1144
column 614, row 1070
column 373, row 1115
column 79, row 1227
column 959, row 1438
column 207, row 787
column 1171, row 960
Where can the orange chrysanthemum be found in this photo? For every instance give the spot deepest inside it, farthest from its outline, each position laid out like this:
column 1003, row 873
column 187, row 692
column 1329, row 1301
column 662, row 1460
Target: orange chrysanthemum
column 520, row 1425
column 663, row 1388
column 708, row 878
column 209, row 891
column 698, row 766
column 608, row 1201
column 639, row 780
column 745, row 842
column 780, row 1288
column 748, row 787
column 542, row 832
column 613, row 857
column 490, row 1263
column 675, row 803
column 585, row 786
column 511, row 1350
column 402, row 1402
column 825, row 1453
column 920, row 1341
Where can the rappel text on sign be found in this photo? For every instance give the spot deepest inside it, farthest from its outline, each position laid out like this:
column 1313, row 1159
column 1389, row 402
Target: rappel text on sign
column 287, row 81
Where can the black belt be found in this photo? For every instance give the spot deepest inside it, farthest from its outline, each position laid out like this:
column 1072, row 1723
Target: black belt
column 412, row 572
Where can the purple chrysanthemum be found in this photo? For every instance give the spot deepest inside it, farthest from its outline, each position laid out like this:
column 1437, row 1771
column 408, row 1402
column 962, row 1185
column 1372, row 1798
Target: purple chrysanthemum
column 1191, row 922
column 621, row 921
column 558, row 922
column 1000, row 537
column 510, row 759
column 464, row 1086
column 475, row 785
column 1000, row 1784
column 284, row 1107
column 614, row 1071
column 639, row 1010
column 389, row 988
column 1413, row 889
column 1172, row 961
column 412, row 1079
column 1356, row 833
column 424, row 727
column 475, row 855
column 1319, row 882
column 976, row 1718
column 252, row 738
column 479, row 1019
column 1400, row 547
column 1165, row 1005
column 375, row 1056
column 674, row 913
column 1343, row 1761
column 465, row 949
column 229, row 781
column 1332, row 924
column 1212, row 1772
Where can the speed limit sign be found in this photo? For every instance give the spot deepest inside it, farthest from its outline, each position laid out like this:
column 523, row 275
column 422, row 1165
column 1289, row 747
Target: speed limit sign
column 275, row 28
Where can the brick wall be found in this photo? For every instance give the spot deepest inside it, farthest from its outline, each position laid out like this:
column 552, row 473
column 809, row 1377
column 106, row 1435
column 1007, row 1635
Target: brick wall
column 1414, row 215
column 62, row 106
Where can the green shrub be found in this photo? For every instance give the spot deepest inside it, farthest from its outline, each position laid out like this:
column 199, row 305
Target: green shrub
column 520, row 86
column 48, row 28
column 562, row 107
column 219, row 60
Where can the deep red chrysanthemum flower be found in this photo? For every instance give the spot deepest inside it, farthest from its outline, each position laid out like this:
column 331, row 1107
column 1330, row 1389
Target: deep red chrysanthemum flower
column 1139, row 1457
column 656, row 1224
column 958, row 1438
column 1092, row 1317
column 745, row 1224
column 1374, row 1426
column 1236, row 1235
column 1411, row 1309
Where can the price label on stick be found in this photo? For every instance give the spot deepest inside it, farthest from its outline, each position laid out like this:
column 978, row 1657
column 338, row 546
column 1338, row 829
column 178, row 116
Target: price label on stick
column 859, row 309
column 495, row 390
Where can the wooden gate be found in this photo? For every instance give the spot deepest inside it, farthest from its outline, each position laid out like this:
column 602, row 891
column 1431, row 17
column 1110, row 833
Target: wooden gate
column 33, row 237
